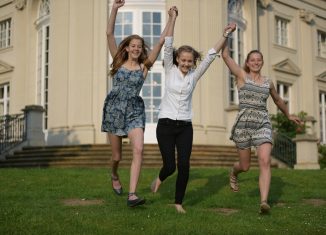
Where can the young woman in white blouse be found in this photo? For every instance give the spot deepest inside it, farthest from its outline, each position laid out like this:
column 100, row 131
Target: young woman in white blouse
column 174, row 129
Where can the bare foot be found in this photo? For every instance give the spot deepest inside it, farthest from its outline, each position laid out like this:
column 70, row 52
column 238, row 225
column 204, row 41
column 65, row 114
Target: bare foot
column 155, row 185
column 180, row 209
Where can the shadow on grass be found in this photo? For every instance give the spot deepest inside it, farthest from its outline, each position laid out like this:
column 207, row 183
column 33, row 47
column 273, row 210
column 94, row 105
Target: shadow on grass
column 213, row 185
column 276, row 190
column 199, row 187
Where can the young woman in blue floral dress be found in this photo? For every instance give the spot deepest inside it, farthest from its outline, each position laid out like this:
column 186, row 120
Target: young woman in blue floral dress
column 124, row 111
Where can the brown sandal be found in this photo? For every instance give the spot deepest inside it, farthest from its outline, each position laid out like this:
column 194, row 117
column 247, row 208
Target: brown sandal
column 233, row 182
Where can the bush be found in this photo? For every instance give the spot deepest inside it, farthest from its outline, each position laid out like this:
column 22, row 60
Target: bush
column 282, row 124
column 322, row 159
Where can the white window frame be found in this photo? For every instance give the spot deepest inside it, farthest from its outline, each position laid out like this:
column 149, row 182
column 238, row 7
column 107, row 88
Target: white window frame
column 236, row 45
column 280, row 87
column 43, row 28
column 5, row 33
column 137, row 28
column 282, row 31
column 321, row 43
column 152, row 108
column 5, row 101
column 322, row 108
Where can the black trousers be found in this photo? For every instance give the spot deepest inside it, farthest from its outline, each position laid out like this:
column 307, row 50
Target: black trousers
column 171, row 135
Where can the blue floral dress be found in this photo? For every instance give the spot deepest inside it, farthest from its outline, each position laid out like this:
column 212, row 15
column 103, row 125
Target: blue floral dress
column 123, row 108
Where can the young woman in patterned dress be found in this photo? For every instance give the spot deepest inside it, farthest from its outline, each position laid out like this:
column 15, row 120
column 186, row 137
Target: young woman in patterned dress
column 252, row 126
column 124, row 111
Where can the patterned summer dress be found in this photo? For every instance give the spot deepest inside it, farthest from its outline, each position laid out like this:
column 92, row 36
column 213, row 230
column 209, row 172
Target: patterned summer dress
column 123, row 108
column 252, row 126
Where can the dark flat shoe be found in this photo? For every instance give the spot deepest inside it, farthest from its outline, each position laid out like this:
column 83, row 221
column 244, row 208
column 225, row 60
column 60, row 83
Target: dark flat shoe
column 136, row 202
column 117, row 191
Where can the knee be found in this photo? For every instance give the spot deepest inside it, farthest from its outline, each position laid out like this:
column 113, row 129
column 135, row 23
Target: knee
column 264, row 162
column 170, row 169
column 244, row 167
column 116, row 157
column 138, row 150
column 183, row 166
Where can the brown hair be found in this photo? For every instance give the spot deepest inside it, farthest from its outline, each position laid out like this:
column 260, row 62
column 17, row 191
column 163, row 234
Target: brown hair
column 245, row 67
column 122, row 55
column 186, row 48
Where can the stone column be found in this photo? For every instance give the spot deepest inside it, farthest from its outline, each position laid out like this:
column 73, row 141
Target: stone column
column 34, row 125
column 307, row 149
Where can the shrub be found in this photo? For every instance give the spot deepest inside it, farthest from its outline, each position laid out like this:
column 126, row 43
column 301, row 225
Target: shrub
column 322, row 158
column 282, row 124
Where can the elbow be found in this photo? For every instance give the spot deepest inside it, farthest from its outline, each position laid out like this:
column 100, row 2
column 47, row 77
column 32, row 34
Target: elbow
column 224, row 56
column 161, row 41
column 109, row 34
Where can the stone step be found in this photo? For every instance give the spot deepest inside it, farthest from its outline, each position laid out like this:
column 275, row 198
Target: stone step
column 100, row 155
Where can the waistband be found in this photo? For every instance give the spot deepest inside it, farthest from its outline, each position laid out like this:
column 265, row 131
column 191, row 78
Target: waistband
column 168, row 121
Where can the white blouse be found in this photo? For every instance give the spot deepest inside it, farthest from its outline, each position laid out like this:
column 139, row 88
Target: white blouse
column 177, row 100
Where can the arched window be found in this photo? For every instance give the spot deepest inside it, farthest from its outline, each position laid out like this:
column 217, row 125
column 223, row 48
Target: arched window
column 43, row 30
column 235, row 43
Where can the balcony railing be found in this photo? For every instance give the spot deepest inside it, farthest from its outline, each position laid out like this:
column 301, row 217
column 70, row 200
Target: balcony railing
column 12, row 131
column 284, row 149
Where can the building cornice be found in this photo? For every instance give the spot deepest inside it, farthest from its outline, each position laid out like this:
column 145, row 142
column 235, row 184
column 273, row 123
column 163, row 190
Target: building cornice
column 317, row 10
column 287, row 66
column 5, row 2
column 5, row 68
column 321, row 77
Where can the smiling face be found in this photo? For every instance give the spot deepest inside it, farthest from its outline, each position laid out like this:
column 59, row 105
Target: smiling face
column 255, row 62
column 134, row 49
column 185, row 62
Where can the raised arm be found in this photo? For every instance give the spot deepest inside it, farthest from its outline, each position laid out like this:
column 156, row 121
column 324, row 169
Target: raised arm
column 169, row 27
column 281, row 105
column 227, row 30
column 232, row 65
column 110, row 28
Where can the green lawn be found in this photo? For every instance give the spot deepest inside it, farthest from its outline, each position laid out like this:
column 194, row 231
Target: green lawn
column 42, row 201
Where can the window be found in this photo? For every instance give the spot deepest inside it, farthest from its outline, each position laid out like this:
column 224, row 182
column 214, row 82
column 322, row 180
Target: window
column 284, row 92
column 5, row 33
column 322, row 108
column 152, row 95
column 147, row 24
column 152, row 28
column 123, row 26
column 321, row 43
column 4, row 99
column 235, row 44
column 281, row 31
column 43, row 27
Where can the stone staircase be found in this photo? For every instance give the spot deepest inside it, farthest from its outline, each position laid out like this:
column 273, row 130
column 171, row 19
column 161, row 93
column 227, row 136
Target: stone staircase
column 98, row 155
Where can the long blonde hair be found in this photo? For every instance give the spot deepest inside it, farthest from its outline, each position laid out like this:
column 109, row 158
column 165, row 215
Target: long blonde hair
column 122, row 54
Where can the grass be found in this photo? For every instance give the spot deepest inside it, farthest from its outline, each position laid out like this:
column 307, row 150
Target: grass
column 32, row 201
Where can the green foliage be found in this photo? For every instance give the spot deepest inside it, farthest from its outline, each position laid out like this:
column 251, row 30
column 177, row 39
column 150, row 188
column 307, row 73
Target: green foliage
column 32, row 202
column 282, row 124
column 322, row 159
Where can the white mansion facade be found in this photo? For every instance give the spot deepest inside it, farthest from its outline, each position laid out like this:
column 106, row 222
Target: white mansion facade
column 54, row 53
